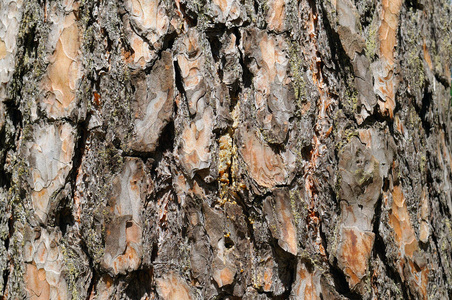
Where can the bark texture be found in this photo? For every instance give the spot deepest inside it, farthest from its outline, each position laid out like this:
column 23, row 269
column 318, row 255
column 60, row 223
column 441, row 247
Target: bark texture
column 225, row 149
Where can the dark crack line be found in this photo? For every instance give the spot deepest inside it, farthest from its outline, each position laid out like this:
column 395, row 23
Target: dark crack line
column 94, row 275
column 435, row 241
column 340, row 282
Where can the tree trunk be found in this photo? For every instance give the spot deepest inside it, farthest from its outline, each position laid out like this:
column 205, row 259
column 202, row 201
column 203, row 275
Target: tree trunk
column 225, row 149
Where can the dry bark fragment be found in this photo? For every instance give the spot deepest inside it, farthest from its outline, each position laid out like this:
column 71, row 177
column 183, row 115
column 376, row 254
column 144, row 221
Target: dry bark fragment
column 141, row 54
column 153, row 105
column 44, row 275
column 274, row 95
column 410, row 264
column 307, row 283
column 281, row 222
column 276, row 15
column 346, row 21
column 230, row 12
column 123, row 244
column 64, row 70
column 385, row 79
column 363, row 164
column 150, row 18
column 172, row 287
column 307, row 203
column 194, row 149
column 11, row 15
column 50, row 158
column 265, row 166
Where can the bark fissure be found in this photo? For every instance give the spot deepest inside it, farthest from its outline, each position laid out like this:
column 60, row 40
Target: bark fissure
column 225, row 149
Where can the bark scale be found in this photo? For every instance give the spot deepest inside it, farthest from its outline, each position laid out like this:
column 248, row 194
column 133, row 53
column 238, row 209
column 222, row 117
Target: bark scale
column 225, row 149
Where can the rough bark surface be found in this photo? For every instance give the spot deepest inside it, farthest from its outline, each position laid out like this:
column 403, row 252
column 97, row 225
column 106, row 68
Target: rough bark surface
column 225, row 149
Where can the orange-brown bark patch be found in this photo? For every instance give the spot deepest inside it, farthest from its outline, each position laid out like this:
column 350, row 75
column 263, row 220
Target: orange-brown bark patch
column 354, row 253
column 172, row 287
column 405, row 237
column 64, row 70
column 388, row 39
column 3, row 51
column 195, row 151
column 427, row 57
column 224, row 276
column 223, row 4
column 306, row 285
column 35, row 283
column 268, row 279
column 281, row 221
column 151, row 16
column 265, row 166
column 400, row 221
column 276, row 15
column 141, row 52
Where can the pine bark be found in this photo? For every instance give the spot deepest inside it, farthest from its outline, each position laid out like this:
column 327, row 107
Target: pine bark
column 225, row 149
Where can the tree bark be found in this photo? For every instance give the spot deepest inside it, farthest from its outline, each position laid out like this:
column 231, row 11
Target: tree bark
column 225, row 149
